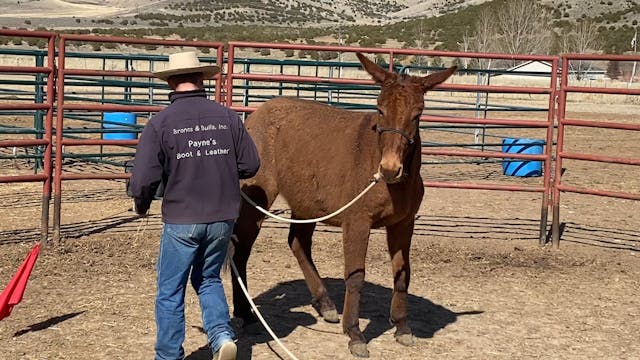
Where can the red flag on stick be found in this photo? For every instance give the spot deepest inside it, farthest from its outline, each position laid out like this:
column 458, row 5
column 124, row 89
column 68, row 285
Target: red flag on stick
column 12, row 294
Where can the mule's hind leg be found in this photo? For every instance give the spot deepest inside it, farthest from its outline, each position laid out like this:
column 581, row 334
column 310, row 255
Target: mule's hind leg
column 399, row 243
column 246, row 231
column 300, row 240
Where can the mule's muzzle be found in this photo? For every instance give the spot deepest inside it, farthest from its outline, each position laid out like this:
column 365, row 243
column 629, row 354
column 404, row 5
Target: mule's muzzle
column 391, row 176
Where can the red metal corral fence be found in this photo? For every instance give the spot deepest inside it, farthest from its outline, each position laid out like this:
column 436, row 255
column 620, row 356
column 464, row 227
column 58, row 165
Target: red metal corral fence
column 494, row 104
column 69, row 108
column 451, row 112
column 43, row 136
column 614, row 157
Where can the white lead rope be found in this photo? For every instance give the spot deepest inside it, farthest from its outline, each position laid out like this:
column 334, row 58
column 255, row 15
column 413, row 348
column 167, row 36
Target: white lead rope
column 257, row 312
column 376, row 177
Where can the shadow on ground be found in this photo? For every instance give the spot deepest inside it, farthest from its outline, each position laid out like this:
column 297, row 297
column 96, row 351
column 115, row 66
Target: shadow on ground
column 278, row 307
column 442, row 227
column 43, row 325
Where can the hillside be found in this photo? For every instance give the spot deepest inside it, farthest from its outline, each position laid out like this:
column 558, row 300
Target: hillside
column 58, row 14
column 79, row 13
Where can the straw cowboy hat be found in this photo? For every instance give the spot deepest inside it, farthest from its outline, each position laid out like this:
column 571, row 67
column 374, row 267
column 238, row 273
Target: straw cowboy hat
column 186, row 63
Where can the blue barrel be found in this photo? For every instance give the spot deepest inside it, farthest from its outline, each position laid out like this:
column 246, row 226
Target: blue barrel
column 519, row 167
column 119, row 120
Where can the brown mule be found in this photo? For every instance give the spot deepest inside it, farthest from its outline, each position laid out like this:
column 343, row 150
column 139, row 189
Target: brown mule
column 319, row 158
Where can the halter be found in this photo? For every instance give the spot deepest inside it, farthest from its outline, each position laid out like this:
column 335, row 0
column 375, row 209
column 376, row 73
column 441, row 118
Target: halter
column 409, row 156
column 381, row 129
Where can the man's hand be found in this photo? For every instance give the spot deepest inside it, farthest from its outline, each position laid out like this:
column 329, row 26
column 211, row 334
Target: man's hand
column 140, row 214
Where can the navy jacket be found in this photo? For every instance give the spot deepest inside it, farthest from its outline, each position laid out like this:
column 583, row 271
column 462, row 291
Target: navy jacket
column 199, row 149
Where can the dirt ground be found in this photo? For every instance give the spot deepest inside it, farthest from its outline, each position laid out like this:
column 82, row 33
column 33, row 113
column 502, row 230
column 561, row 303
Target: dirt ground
column 481, row 287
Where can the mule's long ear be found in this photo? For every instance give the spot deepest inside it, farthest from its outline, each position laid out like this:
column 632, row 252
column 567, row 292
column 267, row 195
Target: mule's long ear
column 378, row 73
column 430, row 81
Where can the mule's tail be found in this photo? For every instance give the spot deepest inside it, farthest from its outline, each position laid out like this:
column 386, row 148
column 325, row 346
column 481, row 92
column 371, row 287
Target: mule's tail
column 231, row 249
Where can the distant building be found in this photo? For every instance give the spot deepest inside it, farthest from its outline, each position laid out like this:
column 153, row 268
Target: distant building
column 534, row 68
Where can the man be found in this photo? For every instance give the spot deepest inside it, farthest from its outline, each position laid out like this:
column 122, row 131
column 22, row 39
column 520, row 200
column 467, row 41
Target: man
column 199, row 150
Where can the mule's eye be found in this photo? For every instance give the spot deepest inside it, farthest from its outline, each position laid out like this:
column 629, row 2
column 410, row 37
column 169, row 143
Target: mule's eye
column 380, row 112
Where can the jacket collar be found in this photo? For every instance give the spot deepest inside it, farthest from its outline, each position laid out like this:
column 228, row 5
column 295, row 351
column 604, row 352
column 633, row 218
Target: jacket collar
column 175, row 95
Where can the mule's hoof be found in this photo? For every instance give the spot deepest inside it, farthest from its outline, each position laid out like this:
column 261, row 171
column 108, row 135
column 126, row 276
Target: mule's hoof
column 359, row 350
column 406, row 339
column 331, row 316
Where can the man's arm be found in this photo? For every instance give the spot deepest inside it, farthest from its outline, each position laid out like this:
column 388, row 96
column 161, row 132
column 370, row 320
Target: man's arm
column 247, row 156
column 147, row 170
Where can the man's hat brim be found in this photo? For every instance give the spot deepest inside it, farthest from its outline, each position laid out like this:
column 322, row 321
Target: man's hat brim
column 208, row 71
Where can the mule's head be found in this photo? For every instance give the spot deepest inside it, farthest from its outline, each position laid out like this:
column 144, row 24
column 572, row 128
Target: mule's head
column 400, row 105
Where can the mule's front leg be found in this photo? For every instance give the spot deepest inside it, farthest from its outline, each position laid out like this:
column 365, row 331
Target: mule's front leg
column 355, row 242
column 399, row 244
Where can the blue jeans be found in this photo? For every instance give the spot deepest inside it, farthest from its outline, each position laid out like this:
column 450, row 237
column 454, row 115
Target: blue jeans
column 199, row 249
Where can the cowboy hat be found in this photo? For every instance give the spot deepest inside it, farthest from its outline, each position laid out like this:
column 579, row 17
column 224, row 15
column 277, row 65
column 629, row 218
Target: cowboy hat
column 186, row 63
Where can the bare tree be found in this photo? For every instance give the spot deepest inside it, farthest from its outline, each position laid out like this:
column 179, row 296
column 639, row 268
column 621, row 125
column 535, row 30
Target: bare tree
column 483, row 41
column 582, row 38
column 484, row 37
column 485, row 34
column 422, row 42
column 465, row 46
column 586, row 38
column 513, row 27
column 523, row 28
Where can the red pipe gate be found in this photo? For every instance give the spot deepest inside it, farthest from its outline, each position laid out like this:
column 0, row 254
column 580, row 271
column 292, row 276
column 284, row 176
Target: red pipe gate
column 63, row 72
column 235, row 76
column 46, row 176
column 564, row 123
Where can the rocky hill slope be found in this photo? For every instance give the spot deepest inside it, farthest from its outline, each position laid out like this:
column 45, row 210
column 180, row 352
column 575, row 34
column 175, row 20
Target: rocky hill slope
column 57, row 14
